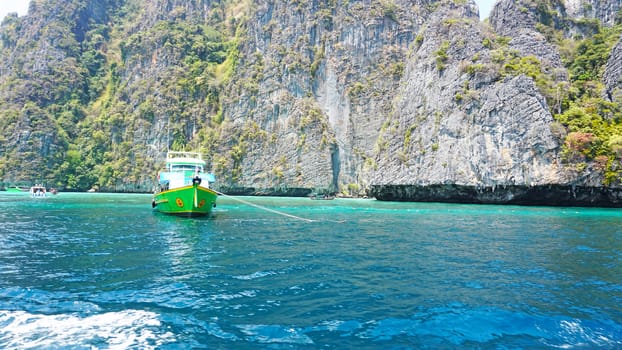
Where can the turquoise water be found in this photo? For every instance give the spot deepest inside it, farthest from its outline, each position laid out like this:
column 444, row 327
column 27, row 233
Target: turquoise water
column 85, row 271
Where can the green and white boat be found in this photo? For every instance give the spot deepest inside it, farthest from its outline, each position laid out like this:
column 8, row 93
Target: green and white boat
column 17, row 189
column 184, row 187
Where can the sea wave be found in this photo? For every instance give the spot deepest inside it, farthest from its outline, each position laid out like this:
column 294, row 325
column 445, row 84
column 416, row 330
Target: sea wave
column 275, row 334
column 459, row 325
column 255, row 275
column 113, row 330
column 449, row 327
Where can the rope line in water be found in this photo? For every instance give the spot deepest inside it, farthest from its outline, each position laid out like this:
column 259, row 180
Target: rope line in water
column 264, row 208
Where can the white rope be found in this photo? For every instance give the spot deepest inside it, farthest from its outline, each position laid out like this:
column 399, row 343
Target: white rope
column 264, row 208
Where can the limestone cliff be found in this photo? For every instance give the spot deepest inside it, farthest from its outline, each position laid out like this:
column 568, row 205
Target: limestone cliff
column 459, row 130
column 607, row 12
column 382, row 97
column 452, row 127
column 42, row 85
column 613, row 74
column 323, row 77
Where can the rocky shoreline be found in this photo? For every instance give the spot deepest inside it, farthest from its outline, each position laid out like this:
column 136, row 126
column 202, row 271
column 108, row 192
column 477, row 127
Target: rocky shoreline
column 541, row 195
column 555, row 195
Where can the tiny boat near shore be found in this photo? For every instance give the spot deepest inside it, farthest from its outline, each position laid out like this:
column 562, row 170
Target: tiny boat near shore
column 323, row 197
column 38, row 191
column 17, row 189
column 183, row 187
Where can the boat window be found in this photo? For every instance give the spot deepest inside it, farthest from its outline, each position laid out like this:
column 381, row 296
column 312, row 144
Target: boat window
column 186, row 168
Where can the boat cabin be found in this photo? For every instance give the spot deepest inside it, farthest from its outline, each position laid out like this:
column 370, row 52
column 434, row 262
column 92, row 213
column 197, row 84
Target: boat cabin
column 182, row 169
column 37, row 191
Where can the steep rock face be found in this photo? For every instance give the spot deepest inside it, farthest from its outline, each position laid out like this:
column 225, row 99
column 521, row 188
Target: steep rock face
column 39, row 72
column 501, row 135
column 73, row 73
column 518, row 20
column 509, row 17
column 322, row 76
column 165, row 44
column 613, row 74
column 452, row 127
column 607, row 12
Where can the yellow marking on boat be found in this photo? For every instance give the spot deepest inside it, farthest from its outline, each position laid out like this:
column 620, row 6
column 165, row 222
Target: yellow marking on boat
column 190, row 186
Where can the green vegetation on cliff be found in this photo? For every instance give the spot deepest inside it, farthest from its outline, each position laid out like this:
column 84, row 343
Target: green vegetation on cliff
column 593, row 123
column 588, row 123
column 111, row 85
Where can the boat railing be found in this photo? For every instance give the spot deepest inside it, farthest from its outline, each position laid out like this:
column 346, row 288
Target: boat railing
column 188, row 155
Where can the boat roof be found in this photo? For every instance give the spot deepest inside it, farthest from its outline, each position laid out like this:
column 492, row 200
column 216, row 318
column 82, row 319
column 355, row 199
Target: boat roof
column 192, row 158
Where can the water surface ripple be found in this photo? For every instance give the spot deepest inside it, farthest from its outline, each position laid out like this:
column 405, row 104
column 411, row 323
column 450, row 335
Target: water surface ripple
column 85, row 271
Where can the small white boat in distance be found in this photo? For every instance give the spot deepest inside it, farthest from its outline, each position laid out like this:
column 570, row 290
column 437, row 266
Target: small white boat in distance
column 38, row 191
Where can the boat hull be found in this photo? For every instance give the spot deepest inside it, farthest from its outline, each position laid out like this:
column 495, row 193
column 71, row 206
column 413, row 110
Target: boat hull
column 17, row 190
column 188, row 201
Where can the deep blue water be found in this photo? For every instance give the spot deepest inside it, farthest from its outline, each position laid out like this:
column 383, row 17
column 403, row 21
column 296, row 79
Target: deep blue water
column 85, row 271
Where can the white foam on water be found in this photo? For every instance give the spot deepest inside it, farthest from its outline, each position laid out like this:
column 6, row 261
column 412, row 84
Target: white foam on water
column 255, row 275
column 578, row 334
column 112, row 330
column 275, row 334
